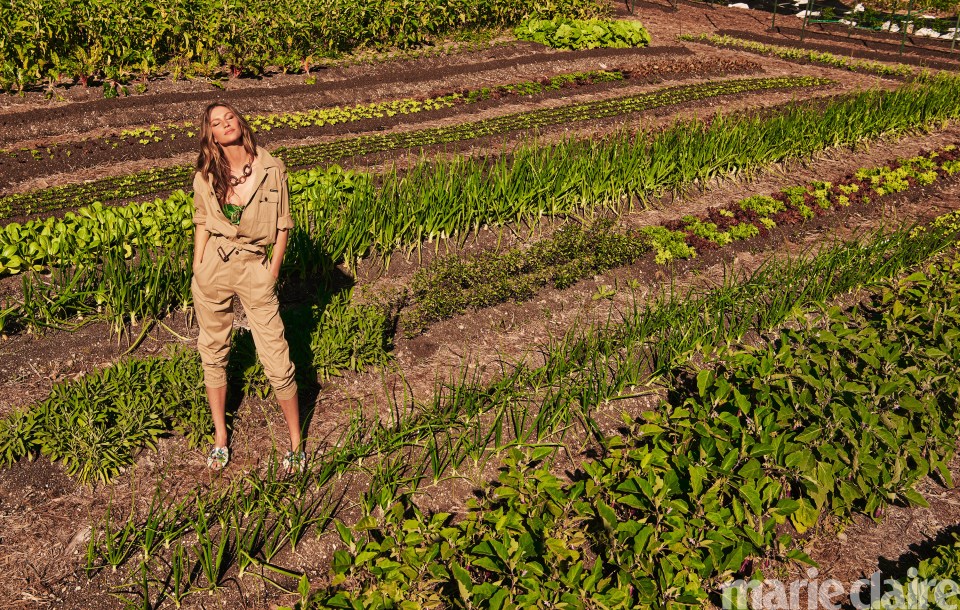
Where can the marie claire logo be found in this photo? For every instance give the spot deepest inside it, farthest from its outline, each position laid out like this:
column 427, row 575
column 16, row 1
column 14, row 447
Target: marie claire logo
column 812, row 593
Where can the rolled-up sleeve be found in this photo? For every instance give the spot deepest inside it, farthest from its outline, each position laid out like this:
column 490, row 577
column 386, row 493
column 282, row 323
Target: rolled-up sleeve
column 200, row 187
column 284, row 219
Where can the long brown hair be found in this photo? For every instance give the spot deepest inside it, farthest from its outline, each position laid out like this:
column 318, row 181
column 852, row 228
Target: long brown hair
column 212, row 162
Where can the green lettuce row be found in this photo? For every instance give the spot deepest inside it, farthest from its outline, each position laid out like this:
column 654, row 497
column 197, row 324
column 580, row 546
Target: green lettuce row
column 752, row 215
column 564, row 33
column 80, row 237
column 117, row 188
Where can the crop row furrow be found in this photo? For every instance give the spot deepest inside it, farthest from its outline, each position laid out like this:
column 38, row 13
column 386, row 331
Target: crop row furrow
column 364, row 145
column 318, row 117
column 453, row 284
column 806, row 55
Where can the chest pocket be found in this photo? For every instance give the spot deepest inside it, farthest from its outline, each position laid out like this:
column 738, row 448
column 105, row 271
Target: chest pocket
column 268, row 205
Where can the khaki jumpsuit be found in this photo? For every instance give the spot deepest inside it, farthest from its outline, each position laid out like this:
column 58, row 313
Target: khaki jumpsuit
column 235, row 263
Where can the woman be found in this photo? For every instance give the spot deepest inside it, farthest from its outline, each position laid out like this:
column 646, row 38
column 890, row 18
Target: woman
column 241, row 206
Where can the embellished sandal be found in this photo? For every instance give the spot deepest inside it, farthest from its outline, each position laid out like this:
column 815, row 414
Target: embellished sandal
column 218, row 459
column 294, row 462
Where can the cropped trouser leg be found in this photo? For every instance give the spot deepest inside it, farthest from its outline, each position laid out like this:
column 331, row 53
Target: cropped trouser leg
column 259, row 299
column 215, row 283
column 213, row 304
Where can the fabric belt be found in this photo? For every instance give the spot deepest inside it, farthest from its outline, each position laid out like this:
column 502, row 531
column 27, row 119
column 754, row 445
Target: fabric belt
column 226, row 248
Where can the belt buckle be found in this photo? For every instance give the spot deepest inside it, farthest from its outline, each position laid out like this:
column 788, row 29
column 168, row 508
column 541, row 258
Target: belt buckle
column 223, row 254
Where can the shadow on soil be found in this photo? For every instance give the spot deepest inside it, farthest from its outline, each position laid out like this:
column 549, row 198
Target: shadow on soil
column 897, row 568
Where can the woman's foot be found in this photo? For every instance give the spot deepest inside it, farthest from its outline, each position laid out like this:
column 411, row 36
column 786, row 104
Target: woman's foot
column 294, row 462
column 218, row 459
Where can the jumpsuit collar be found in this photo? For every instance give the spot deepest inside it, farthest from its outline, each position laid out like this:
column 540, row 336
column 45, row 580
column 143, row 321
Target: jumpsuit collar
column 261, row 163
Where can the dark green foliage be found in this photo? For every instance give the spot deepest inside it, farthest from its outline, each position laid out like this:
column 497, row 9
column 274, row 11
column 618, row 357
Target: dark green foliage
column 44, row 41
column 97, row 424
column 326, row 339
column 841, row 416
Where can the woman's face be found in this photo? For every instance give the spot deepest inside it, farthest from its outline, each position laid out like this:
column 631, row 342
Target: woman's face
column 225, row 126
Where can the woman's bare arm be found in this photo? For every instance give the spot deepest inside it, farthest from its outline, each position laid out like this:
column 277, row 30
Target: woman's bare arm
column 279, row 249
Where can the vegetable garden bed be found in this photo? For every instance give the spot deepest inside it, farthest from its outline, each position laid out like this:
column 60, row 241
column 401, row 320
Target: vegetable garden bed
column 162, row 141
column 119, row 540
column 154, row 182
column 890, row 38
column 567, row 379
column 804, row 55
column 21, row 125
